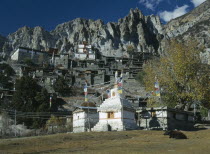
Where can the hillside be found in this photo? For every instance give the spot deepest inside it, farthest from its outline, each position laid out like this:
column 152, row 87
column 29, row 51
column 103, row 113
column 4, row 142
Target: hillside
column 109, row 142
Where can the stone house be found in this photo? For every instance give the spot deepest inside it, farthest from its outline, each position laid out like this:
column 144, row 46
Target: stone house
column 84, row 118
column 36, row 56
column 165, row 118
column 84, row 52
column 61, row 61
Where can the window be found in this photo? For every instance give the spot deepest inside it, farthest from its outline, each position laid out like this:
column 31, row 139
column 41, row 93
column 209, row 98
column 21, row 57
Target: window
column 110, row 115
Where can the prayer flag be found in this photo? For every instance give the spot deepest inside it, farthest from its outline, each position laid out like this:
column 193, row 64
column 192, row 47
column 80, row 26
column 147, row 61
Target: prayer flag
column 85, row 92
column 50, row 101
column 120, row 91
column 108, row 93
column 157, row 89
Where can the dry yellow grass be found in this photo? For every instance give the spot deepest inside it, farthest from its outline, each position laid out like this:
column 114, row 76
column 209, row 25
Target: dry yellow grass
column 110, row 142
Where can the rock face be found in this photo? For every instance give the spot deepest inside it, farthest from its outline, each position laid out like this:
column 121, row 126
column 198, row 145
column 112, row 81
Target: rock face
column 2, row 45
column 184, row 23
column 193, row 25
column 36, row 38
column 144, row 33
column 2, row 40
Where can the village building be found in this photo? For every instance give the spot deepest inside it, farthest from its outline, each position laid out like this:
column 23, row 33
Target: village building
column 36, row 56
column 165, row 118
column 60, row 61
column 84, row 118
column 84, row 52
column 116, row 113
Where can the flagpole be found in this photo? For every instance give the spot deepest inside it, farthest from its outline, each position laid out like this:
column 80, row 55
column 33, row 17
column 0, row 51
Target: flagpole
column 122, row 98
column 157, row 92
column 50, row 101
column 86, row 100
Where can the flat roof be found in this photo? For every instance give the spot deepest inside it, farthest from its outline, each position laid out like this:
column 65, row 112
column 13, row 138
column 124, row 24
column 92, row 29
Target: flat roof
column 25, row 48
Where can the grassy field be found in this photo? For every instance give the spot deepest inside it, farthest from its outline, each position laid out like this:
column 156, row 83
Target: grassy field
column 139, row 141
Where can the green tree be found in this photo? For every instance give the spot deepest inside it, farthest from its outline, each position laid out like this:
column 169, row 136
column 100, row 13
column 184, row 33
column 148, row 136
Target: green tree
column 56, row 124
column 30, row 97
column 24, row 96
column 6, row 72
column 43, row 99
column 7, row 69
column 181, row 74
column 140, row 77
column 130, row 50
column 61, row 86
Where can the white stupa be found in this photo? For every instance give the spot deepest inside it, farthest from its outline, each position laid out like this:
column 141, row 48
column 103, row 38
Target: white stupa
column 116, row 113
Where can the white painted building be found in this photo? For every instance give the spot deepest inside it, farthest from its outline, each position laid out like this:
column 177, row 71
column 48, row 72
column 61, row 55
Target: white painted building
column 36, row 56
column 85, row 52
column 116, row 113
column 165, row 118
column 84, row 118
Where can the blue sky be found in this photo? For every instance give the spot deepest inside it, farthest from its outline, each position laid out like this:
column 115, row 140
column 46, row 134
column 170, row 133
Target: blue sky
column 49, row 13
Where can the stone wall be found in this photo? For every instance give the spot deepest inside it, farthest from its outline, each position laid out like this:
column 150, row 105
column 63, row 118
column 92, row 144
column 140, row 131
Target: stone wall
column 63, row 61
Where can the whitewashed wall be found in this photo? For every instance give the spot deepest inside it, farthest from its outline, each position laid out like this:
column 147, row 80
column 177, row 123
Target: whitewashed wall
column 82, row 56
column 161, row 113
column 15, row 55
column 117, row 123
column 168, row 120
column 79, row 122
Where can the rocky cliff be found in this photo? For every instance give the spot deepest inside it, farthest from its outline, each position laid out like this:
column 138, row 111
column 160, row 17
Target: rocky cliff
column 142, row 32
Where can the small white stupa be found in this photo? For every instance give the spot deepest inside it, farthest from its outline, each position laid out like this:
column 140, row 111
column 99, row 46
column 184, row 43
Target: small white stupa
column 116, row 113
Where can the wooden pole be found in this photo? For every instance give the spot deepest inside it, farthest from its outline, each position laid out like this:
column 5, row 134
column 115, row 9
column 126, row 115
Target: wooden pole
column 15, row 124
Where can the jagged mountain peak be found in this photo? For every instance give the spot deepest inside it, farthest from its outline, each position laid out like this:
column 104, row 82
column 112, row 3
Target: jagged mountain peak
column 144, row 33
column 111, row 38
